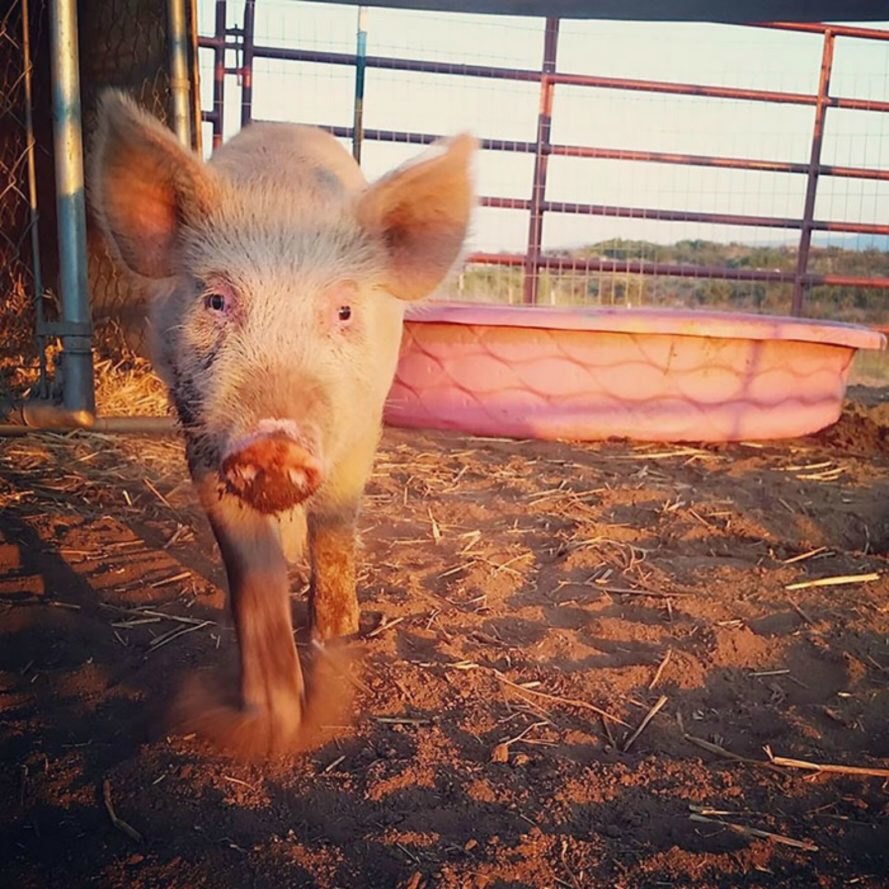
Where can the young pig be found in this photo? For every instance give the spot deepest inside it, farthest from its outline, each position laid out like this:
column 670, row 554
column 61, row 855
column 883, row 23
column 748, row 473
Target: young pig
column 277, row 279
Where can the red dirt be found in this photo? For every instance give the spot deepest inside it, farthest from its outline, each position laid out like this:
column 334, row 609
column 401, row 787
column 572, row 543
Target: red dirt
column 504, row 565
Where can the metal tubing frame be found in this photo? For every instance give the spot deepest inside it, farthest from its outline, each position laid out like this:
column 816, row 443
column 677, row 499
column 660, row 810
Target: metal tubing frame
column 76, row 326
column 360, row 71
column 542, row 149
column 805, row 239
column 541, row 161
column 177, row 47
column 618, row 154
column 215, row 117
column 28, row 422
column 78, row 409
column 246, row 70
column 392, row 63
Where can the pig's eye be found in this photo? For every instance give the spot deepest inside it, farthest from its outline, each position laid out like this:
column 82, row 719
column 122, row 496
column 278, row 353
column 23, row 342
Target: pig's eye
column 344, row 313
column 215, row 302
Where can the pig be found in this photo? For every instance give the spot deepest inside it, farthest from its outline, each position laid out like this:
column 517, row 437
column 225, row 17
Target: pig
column 276, row 279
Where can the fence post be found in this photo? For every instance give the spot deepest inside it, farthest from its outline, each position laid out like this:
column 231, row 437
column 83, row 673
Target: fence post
column 541, row 160
column 177, row 41
column 360, row 70
column 197, row 141
column 247, row 63
column 800, row 286
column 76, row 328
column 219, row 73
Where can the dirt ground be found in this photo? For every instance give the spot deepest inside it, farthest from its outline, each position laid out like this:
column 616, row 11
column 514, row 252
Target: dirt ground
column 513, row 593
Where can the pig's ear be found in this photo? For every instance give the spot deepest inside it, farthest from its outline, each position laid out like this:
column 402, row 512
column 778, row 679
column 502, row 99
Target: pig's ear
column 420, row 212
column 145, row 187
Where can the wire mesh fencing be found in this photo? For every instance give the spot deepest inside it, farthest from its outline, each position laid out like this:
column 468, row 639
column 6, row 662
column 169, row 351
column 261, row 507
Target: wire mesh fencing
column 20, row 283
column 122, row 44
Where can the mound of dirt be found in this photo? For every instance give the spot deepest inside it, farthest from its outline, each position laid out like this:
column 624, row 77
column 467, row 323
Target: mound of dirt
column 862, row 429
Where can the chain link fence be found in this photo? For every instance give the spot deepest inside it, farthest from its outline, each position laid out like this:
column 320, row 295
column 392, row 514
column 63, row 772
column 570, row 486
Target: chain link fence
column 19, row 273
column 123, row 44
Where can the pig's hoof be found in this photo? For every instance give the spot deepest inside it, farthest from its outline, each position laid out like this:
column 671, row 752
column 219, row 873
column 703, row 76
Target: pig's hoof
column 331, row 627
column 262, row 732
column 244, row 732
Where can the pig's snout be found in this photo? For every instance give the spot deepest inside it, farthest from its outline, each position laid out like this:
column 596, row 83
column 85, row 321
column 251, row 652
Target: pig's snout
column 272, row 469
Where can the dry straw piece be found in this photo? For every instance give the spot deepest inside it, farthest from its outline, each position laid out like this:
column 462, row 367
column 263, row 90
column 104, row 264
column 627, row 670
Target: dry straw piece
column 645, row 720
column 756, row 833
column 839, row 580
column 834, row 768
column 118, row 822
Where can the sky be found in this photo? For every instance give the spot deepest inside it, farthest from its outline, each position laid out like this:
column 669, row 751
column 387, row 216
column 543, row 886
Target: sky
column 697, row 52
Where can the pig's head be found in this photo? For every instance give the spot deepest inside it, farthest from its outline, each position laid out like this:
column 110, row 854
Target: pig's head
column 277, row 280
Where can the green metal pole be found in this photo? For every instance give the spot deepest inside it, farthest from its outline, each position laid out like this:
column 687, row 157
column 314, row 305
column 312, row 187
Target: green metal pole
column 76, row 328
column 360, row 71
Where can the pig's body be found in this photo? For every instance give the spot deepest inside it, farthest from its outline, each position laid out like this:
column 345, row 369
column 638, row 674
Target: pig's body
column 279, row 177
column 277, row 280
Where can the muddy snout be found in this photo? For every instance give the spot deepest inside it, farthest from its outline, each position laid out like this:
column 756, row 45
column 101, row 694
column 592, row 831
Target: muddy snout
column 272, row 469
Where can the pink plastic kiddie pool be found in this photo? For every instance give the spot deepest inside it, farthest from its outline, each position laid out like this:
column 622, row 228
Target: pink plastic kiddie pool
column 647, row 374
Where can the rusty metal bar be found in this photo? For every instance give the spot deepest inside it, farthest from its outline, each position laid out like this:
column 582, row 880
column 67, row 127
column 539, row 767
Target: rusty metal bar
column 684, row 89
column 805, row 240
column 704, row 160
column 529, row 75
column 686, row 160
column 391, row 63
column 525, row 74
column 565, row 78
column 852, row 172
column 858, row 104
column 499, row 203
column 819, row 28
column 619, row 154
column 541, row 160
column 660, row 215
column 654, row 213
column 216, row 116
column 247, row 63
column 813, row 27
column 31, row 419
column 856, row 228
column 664, row 269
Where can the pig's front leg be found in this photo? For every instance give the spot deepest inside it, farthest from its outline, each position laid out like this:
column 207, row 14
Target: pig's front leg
column 259, row 589
column 333, row 599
